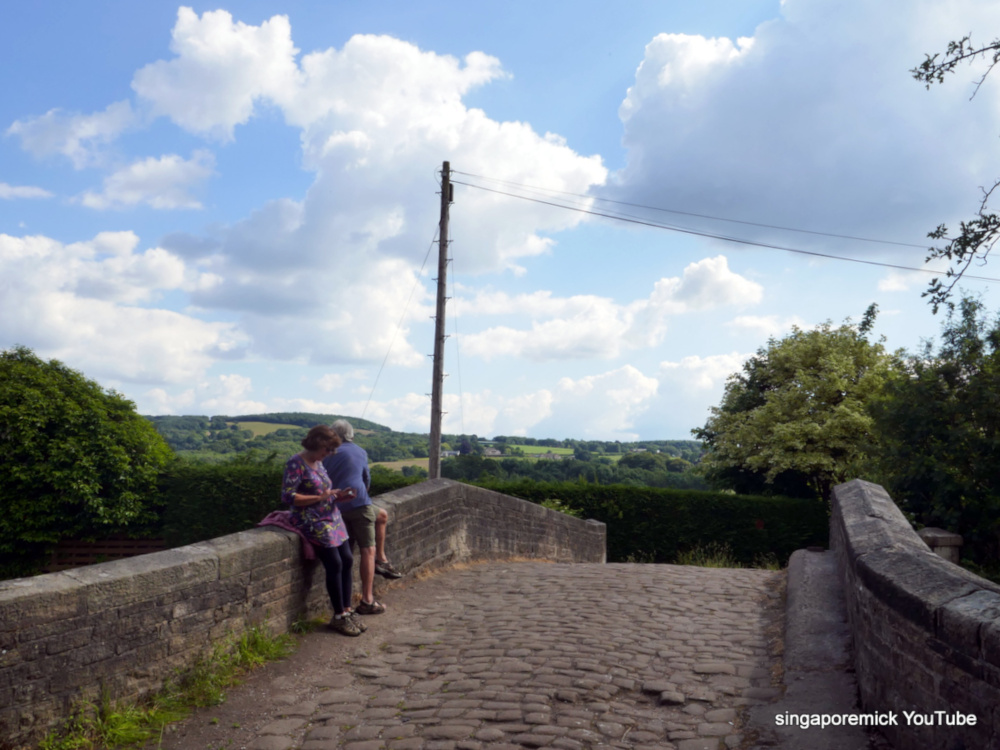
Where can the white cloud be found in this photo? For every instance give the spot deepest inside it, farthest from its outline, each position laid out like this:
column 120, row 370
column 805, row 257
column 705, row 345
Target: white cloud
column 603, row 406
column 79, row 303
column 229, row 394
column 336, row 381
column 8, row 192
column 586, row 326
column 80, row 138
column 814, row 123
column 695, row 373
column 766, row 326
column 221, row 68
column 162, row 183
column 373, row 116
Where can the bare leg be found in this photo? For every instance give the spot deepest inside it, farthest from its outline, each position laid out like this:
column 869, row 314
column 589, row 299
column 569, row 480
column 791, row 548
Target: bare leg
column 381, row 521
column 367, row 573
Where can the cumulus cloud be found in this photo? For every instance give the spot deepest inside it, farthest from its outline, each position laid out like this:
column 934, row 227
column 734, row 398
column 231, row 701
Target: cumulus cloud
column 81, row 303
column 221, row 68
column 80, row 138
column 587, row 326
column 163, row 183
column 846, row 143
column 373, row 116
column 695, row 373
column 765, row 326
column 9, row 192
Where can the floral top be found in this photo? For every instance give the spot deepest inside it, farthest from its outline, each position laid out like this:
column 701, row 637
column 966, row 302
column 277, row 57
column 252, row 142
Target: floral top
column 320, row 523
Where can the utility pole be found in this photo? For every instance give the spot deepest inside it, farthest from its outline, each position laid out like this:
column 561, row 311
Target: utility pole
column 434, row 462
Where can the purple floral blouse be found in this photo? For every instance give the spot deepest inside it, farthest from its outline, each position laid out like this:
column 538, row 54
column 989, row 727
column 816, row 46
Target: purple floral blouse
column 321, row 523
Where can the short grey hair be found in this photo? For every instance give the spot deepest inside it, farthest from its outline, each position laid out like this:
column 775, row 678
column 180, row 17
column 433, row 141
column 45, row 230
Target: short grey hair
column 343, row 428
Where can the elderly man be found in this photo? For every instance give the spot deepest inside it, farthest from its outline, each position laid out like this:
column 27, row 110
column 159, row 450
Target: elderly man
column 366, row 523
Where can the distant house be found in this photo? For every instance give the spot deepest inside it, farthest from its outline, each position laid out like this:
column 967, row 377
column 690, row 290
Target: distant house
column 550, row 456
column 492, row 453
column 449, row 454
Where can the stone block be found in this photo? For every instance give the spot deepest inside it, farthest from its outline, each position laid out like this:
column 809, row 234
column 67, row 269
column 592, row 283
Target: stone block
column 136, row 579
column 27, row 603
column 915, row 589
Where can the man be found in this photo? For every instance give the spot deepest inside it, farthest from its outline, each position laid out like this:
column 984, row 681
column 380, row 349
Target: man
column 366, row 523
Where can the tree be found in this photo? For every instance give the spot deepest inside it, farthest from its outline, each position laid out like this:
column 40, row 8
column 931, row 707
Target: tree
column 794, row 421
column 939, row 421
column 976, row 237
column 75, row 460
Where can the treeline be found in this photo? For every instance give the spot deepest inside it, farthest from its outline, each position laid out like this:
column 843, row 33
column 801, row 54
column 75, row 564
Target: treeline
column 635, row 470
column 216, row 438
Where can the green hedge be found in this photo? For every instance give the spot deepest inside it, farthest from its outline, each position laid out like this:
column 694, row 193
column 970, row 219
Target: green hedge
column 654, row 525
column 202, row 501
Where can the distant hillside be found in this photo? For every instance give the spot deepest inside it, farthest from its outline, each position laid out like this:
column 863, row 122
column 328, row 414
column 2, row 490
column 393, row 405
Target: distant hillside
column 216, row 438
column 219, row 437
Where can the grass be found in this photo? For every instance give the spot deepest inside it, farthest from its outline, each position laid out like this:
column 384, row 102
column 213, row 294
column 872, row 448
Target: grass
column 716, row 555
column 109, row 724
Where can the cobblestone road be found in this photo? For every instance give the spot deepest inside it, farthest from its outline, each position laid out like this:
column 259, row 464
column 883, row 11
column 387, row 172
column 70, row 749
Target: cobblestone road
column 506, row 655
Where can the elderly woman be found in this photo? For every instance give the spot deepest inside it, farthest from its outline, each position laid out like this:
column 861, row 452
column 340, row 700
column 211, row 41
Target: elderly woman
column 306, row 487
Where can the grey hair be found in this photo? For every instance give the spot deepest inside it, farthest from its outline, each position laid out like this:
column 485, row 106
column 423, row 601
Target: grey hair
column 343, row 428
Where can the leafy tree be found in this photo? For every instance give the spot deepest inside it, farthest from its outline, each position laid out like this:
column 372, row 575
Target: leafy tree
column 75, row 460
column 794, row 421
column 939, row 420
column 977, row 236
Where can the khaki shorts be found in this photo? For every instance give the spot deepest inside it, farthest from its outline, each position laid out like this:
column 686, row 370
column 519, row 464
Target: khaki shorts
column 360, row 523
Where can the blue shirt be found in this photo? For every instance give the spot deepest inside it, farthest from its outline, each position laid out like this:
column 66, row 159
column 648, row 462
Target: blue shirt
column 348, row 467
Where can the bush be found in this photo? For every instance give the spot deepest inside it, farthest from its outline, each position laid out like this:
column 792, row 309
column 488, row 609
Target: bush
column 658, row 524
column 202, row 501
column 75, row 460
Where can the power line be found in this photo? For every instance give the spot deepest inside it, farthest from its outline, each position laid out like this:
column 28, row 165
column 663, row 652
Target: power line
column 688, row 213
column 399, row 325
column 714, row 236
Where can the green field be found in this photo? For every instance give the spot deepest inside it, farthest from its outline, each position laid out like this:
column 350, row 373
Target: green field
column 398, row 465
column 537, row 450
column 263, row 428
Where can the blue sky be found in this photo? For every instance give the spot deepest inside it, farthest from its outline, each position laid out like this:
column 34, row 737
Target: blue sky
column 226, row 209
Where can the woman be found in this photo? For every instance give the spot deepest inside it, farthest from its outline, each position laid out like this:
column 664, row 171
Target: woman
column 307, row 489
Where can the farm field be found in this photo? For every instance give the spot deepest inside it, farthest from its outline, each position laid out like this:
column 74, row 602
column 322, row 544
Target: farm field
column 398, row 465
column 533, row 451
column 262, row 428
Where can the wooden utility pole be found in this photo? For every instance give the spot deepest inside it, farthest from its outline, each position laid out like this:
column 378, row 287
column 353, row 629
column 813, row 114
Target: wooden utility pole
column 434, row 462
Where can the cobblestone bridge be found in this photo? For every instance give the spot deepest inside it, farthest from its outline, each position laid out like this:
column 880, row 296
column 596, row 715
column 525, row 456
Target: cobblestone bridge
column 524, row 654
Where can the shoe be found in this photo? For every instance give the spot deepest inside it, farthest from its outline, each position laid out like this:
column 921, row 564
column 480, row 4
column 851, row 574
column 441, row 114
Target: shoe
column 386, row 570
column 370, row 608
column 344, row 626
column 357, row 621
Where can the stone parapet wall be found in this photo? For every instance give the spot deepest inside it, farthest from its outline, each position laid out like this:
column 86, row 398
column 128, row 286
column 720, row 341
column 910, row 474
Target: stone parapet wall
column 126, row 626
column 926, row 632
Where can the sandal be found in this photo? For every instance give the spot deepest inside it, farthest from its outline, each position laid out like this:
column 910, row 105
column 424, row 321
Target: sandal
column 370, row 608
column 356, row 620
column 344, row 625
column 386, row 570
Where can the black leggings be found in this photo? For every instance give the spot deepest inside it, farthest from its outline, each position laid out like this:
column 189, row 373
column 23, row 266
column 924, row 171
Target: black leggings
column 338, row 562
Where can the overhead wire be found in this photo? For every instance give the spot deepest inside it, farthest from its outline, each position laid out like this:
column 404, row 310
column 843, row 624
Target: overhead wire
column 550, row 191
column 725, row 238
column 402, row 317
column 458, row 358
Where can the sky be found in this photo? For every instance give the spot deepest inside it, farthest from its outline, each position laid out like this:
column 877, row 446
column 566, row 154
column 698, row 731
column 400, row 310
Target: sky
column 232, row 209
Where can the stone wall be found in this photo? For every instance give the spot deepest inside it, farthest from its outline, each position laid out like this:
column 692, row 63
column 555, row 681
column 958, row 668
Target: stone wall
column 926, row 632
column 125, row 626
